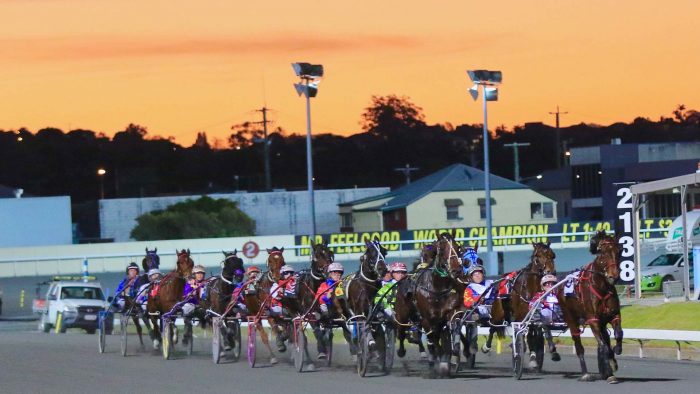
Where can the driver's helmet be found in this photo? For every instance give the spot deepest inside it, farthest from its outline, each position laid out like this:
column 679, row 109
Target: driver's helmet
column 335, row 267
column 154, row 271
column 132, row 266
column 286, row 269
column 398, row 267
column 548, row 279
column 252, row 270
column 474, row 268
column 199, row 269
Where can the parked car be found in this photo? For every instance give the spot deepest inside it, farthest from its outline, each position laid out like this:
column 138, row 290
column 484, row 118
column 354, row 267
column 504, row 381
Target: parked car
column 77, row 302
column 664, row 268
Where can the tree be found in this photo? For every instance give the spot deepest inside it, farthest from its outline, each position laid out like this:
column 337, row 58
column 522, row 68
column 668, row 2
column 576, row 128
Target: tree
column 202, row 218
column 244, row 135
column 391, row 115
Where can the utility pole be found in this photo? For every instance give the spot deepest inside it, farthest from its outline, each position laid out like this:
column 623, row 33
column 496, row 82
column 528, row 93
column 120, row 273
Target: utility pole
column 558, row 136
column 266, row 148
column 516, row 159
column 407, row 172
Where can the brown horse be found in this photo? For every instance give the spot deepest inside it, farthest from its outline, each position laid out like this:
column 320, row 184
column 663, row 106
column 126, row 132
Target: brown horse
column 362, row 286
column 219, row 289
column 595, row 303
column 259, row 302
column 514, row 305
column 168, row 292
column 437, row 299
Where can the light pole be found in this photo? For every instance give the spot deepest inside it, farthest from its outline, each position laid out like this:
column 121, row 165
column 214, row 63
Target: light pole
column 516, row 159
column 101, row 173
column 488, row 81
column 310, row 76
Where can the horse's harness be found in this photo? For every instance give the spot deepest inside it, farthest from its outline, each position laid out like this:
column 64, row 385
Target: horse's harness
column 373, row 267
column 320, row 275
column 452, row 253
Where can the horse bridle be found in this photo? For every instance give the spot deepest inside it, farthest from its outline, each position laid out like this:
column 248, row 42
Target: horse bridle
column 269, row 269
column 320, row 275
column 373, row 267
column 452, row 253
column 609, row 261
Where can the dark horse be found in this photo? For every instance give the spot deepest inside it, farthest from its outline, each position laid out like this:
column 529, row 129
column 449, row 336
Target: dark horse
column 259, row 302
column 168, row 292
column 219, row 289
column 307, row 282
column 514, row 305
column 150, row 261
column 437, row 299
column 595, row 303
column 362, row 286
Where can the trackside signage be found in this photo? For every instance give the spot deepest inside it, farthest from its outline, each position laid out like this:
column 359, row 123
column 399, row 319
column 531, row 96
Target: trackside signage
column 527, row 234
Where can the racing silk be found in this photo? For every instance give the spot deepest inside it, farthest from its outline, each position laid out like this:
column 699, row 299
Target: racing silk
column 476, row 290
column 198, row 292
column 142, row 293
column 389, row 299
column 549, row 302
column 283, row 288
column 126, row 284
column 326, row 291
column 505, row 285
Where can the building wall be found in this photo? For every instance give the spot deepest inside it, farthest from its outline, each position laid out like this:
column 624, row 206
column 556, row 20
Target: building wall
column 512, row 207
column 274, row 213
column 35, row 221
column 367, row 221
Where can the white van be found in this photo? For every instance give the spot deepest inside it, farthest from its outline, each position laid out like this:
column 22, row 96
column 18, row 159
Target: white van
column 76, row 302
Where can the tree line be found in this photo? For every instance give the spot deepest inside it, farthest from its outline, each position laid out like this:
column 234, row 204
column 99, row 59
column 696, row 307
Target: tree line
column 51, row 161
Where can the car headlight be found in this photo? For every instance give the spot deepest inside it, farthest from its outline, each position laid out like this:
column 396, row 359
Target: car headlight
column 69, row 309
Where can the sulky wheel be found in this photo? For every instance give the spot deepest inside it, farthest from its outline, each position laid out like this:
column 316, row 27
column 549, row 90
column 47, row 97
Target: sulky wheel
column 216, row 340
column 251, row 344
column 299, row 347
column 518, row 355
column 167, row 335
column 102, row 337
column 390, row 344
column 235, row 329
column 123, row 325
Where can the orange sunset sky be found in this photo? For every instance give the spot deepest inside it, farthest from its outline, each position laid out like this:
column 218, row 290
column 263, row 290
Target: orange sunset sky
column 179, row 67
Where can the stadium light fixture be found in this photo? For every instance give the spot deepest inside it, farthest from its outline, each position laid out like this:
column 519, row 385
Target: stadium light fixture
column 488, row 80
column 310, row 76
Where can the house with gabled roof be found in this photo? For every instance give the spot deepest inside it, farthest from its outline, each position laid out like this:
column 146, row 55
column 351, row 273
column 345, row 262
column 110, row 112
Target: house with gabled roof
column 450, row 198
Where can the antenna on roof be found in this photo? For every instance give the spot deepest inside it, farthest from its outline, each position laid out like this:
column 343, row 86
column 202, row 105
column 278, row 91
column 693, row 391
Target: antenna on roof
column 407, row 172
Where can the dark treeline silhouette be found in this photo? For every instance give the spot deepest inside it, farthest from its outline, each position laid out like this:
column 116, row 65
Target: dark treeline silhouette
column 54, row 162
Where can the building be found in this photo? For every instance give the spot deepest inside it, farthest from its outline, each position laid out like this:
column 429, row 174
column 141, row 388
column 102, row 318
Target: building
column 452, row 197
column 555, row 184
column 596, row 169
column 275, row 213
column 35, row 221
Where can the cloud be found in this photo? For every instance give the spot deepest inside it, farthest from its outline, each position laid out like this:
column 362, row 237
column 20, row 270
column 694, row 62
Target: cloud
column 110, row 47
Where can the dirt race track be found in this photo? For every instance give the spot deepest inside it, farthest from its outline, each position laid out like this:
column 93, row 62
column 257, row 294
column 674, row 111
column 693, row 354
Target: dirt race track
column 33, row 362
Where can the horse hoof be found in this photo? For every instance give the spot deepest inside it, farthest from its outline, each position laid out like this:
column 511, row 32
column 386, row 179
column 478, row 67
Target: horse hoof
column 311, row 367
column 533, row 361
column 354, row 358
column 556, row 356
column 401, row 353
column 587, row 378
column 423, row 355
column 612, row 380
column 485, row 349
column 156, row 344
column 613, row 365
column 273, row 360
column 617, row 349
column 282, row 348
column 227, row 348
column 444, row 369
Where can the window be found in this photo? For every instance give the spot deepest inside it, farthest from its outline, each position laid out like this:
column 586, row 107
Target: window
column 586, row 181
column 482, row 206
column 541, row 210
column 346, row 220
column 452, row 208
column 81, row 293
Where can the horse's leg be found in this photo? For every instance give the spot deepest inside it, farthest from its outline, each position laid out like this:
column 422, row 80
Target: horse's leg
column 280, row 336
column 421, row 347
column 156, row 338
column 550, row 344
column 532, row 346
column 351, row 344
column 607, row 357
column 139, row 331
column 266, row 341
column 576, row 336
column 616, row 323
column 539, row 349
column 445, row 351
column 187, row 336
column 487, row 346
column 320, row 343
column 433, row 339
column 603, row 348
column 401, row 335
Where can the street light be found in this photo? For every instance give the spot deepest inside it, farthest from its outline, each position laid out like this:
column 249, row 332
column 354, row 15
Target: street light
column 310, row 76
column 101, row 173
column 488, row 80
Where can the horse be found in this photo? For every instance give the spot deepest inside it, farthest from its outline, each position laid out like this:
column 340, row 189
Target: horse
column 168, row 292
column 362, row 286
column 261, row 298
column 219, row 289
column 595, row 303
column 514, row 303
column 437, row 299
column 150, row 261
column 307, row 282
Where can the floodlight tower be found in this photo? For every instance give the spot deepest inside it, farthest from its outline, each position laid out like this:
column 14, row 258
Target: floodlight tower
column 488, row 80
column 310, row 76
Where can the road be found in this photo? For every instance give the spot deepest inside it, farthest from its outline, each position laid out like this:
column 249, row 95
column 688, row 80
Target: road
column 33, row 362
